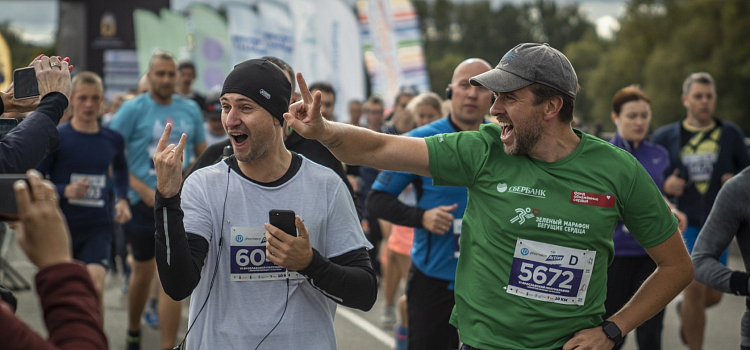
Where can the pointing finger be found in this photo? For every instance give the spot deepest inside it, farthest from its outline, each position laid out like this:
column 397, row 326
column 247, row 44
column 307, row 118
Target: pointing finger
column 164, row 138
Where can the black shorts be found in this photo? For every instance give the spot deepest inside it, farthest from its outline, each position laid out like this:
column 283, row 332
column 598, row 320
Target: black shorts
column 92, row 245
column 140, row 232
column 429, row 304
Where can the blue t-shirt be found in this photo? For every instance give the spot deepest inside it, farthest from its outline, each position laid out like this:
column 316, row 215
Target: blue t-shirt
column 88, row 155
column 141, row 122
column 655, row 159
column 434, row 255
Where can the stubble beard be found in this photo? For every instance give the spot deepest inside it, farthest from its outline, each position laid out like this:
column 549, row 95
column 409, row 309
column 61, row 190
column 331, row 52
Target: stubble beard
column 526, row 137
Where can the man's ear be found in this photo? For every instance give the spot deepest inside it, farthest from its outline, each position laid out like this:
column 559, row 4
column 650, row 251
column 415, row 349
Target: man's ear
column 552, row 107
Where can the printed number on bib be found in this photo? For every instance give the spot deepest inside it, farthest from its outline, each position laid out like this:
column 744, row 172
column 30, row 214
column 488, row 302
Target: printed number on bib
column 550, row 273
column 94, row 196
column 248, row 257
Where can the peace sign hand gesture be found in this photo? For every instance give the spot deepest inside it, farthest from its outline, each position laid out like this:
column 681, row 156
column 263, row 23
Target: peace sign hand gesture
column 304, row 116
column 168, row 164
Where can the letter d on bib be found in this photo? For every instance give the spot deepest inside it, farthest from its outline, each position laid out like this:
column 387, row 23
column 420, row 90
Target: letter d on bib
column 573, row 260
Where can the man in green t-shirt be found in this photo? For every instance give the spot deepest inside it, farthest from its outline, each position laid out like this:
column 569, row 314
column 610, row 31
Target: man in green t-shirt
column 544, row 200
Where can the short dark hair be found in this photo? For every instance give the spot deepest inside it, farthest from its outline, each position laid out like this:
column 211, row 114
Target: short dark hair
column 402, row 93
column 628, row 94
column 186, row 64
column 323, row 86
column 285, row 67
column 543, row 93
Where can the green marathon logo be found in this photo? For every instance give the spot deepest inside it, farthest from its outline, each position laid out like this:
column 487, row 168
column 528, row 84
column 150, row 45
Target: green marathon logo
column 525, row 214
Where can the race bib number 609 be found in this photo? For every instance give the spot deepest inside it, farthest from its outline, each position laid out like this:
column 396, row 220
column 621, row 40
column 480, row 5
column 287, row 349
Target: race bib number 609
column 550, row 273
column 248, row 257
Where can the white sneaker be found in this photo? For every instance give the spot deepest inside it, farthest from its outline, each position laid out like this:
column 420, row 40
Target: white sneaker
column 388, row 319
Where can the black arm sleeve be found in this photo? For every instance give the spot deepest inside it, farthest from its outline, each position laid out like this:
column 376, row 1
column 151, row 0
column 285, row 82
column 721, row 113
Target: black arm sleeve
column 179, row 256
column 387, row 207
column 26, row 145
column 347, row 279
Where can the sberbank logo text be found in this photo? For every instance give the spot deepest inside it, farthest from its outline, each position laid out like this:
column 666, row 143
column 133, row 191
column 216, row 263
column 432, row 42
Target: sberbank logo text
column 522, row 190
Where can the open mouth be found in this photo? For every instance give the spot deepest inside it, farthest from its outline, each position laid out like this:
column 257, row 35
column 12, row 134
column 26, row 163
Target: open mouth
column 507, row 130
column 238, row 137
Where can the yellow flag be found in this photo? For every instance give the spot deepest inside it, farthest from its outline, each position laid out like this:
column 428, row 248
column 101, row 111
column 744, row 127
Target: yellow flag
column 6, row 66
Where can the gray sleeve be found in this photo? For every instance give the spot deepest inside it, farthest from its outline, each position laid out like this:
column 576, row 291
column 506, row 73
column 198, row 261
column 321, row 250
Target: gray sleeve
column 723, row 223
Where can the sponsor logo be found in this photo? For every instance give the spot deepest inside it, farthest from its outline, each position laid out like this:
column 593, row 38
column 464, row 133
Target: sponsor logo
column 523, row 215
column 524, row 251
column 555, row 258
column 440, row 138
column 265, row 94
column 501, row 187
column 239, row 239
column 606, row 200
column 263, row 240
column 522, row 190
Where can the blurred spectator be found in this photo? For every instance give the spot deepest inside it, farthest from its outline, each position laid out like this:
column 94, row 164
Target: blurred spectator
column 67, row 295
column 399, row 103
column 705, row 152
column 355, row 112
column 185, row 78
column 327, row 98
column 212, row 111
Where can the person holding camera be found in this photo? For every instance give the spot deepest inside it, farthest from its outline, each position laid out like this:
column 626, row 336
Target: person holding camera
column 223, row 209
column 66, row 291
column 26, row 145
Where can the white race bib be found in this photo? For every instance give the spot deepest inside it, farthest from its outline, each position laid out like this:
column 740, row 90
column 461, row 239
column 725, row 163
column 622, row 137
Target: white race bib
column 248, row 257
column 94, row 196
column 550, row 273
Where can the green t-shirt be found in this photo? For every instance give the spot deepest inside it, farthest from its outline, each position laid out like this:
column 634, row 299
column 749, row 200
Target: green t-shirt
column 537, row 237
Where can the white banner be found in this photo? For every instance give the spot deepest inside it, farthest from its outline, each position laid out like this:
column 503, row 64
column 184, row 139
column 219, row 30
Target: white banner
column 245, row 36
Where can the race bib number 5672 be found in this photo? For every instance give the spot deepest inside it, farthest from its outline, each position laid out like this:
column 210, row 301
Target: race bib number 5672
column 550, row 273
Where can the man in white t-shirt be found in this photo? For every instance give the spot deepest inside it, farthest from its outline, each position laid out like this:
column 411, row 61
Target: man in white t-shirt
column 272, row 288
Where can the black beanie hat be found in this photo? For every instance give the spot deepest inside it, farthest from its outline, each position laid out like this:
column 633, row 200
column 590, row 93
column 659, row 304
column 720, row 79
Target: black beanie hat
column 264, row 83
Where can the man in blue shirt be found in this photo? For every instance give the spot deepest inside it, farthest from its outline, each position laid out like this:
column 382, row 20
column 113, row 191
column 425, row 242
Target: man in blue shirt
column 436, row 218
column 141, row 122
column 80, row 171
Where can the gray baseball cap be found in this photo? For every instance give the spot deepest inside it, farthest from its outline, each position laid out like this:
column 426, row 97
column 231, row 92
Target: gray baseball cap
column 530, row 63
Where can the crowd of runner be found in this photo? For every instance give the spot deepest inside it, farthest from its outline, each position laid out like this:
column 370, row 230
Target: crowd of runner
column 505, row 227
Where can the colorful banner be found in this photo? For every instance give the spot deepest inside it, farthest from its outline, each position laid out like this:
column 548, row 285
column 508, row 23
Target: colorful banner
column 393, row 51
column 245, row 35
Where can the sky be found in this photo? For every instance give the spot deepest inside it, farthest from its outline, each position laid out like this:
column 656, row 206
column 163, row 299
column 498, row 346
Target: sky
column 36, row 20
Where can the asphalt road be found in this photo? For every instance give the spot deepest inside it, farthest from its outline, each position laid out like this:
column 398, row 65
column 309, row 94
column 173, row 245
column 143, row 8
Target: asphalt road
column 360, row 330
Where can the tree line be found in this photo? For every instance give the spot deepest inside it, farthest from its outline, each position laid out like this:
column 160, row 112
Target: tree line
column 658, row 44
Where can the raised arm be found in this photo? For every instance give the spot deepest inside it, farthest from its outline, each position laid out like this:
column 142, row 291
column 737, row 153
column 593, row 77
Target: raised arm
column 355, row 145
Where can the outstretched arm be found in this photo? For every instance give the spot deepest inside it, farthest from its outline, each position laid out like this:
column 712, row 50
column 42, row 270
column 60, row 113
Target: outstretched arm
column 355, row 145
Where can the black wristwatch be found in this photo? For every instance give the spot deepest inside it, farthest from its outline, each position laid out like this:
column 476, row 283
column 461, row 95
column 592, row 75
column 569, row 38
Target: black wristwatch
column 612, row 331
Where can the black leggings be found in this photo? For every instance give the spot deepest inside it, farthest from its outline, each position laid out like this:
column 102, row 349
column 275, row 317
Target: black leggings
column 624, row 277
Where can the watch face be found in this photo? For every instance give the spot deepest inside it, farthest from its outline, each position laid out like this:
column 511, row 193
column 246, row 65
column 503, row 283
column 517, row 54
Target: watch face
column 611, row 330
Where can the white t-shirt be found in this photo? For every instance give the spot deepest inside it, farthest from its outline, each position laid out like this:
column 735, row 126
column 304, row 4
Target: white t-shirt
column 240, row 313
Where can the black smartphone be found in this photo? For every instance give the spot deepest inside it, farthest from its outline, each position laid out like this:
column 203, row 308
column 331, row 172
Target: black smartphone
column 24, row 83
column 6, row 125
column 284, row 220
column 8, row 209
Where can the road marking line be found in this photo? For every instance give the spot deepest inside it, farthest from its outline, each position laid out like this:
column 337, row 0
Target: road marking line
column 366, row 326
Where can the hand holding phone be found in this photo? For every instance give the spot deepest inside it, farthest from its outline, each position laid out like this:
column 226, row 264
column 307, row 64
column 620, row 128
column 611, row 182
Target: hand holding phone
column 295, row 252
